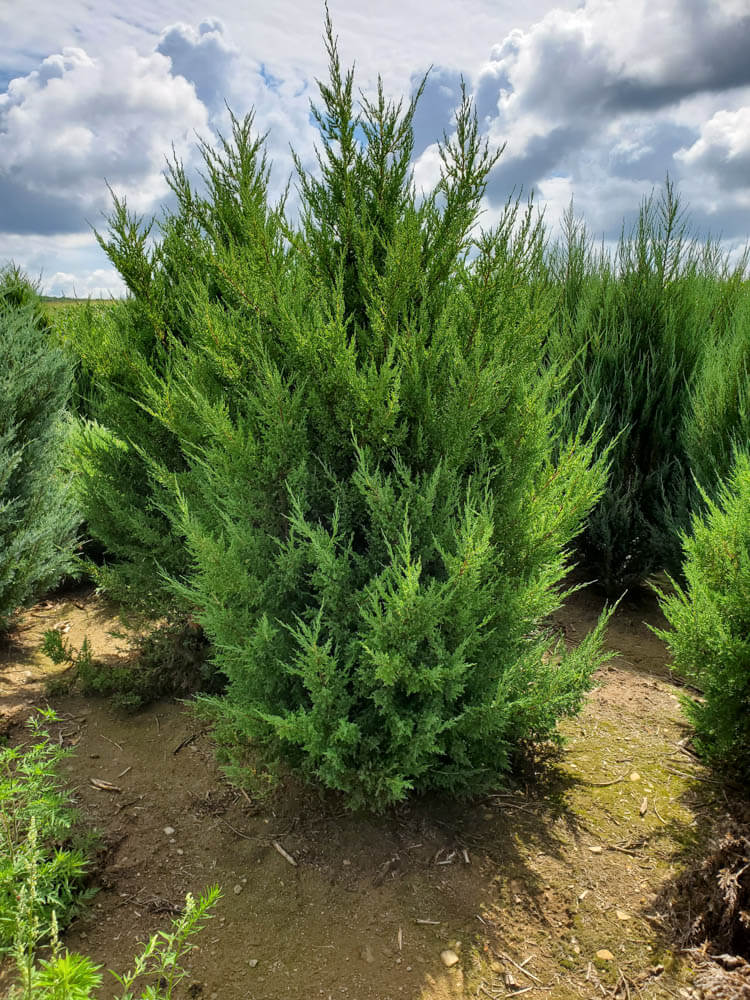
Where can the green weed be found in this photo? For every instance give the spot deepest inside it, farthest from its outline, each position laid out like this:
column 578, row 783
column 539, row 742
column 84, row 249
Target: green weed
column 31, row 798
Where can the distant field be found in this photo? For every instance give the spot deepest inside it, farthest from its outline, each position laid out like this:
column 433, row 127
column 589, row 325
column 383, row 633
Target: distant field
column 56, row 302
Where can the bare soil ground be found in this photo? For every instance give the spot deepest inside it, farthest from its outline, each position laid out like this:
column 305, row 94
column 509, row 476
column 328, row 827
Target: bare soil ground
column 550, row 888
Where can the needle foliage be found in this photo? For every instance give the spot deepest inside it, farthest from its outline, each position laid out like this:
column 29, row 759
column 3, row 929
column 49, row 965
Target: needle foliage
column 38, row 520
column 709, row 617
column 343, row 457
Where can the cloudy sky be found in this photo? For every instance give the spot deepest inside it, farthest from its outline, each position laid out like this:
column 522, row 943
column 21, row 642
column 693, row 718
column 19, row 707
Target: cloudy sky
column 596, row 100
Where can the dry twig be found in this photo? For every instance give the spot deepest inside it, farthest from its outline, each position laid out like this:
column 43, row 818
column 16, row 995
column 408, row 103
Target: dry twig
column 285, row 854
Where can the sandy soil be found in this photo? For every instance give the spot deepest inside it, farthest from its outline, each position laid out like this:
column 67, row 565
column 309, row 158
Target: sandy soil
column 525, row 886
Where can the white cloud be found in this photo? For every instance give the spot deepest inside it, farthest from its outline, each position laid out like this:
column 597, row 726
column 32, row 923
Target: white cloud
column 70, row 264
column 202, row 55
column 596, row 98
column 101, row 283
column 605, row 100
column 78, row 119
column 723, row 148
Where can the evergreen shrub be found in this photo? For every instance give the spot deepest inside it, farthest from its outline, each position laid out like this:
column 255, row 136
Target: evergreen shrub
column 633, row 328
column 709, row 617
column 38, row 520
column 718, row 419
column 131, row 451
column 376, row 525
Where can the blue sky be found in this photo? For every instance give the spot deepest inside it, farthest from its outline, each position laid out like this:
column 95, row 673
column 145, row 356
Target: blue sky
column 596, row 100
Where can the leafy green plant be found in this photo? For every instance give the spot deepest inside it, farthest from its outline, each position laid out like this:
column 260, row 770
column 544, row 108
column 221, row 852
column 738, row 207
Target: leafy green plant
column 55, row 647
column 157, row 970
column 709, row 617
column 160, row 961
column 31, row 796
column 38, row 520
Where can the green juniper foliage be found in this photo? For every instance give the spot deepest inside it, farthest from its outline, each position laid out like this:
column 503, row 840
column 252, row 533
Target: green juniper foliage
column 376, row 525
column 332, row 441
column 73, row 324
column 17, row 291
column 710, row 623
column 718, row 418
column 38, row 520
column 633, row 329
column 185, row 291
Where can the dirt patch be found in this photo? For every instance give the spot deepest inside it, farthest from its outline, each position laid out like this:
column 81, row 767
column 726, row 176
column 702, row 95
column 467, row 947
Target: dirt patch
column 550, row 885
column 78, row 613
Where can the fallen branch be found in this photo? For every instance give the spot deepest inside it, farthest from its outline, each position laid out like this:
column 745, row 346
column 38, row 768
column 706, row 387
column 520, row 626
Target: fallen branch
column 186, row 742
column 698, row 777
column 285, row 854
column 605, row 784
column 104, row 786
column 507, row 958
column 110, row 741
column 245, row 836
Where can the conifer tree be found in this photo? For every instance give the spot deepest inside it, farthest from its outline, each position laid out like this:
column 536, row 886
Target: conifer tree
column 631, row 330
column 331, row 440
column 376, row 523
column 123, row 452
column 709, row 618
column 37, row 519
column 717, row 423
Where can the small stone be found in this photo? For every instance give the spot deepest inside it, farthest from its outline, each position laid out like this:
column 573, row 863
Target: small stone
column 237, row 889
column 366, row 955
column 449, row 958
column 622, row 915
column 634, row 776
column 253, row 962
column 168, row 831
column 346, row 862
column 180, row 850
column 604, row 955
column 595, row 849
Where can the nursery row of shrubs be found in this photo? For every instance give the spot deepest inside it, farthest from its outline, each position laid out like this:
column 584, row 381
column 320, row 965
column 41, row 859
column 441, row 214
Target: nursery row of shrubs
column 363, row 449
